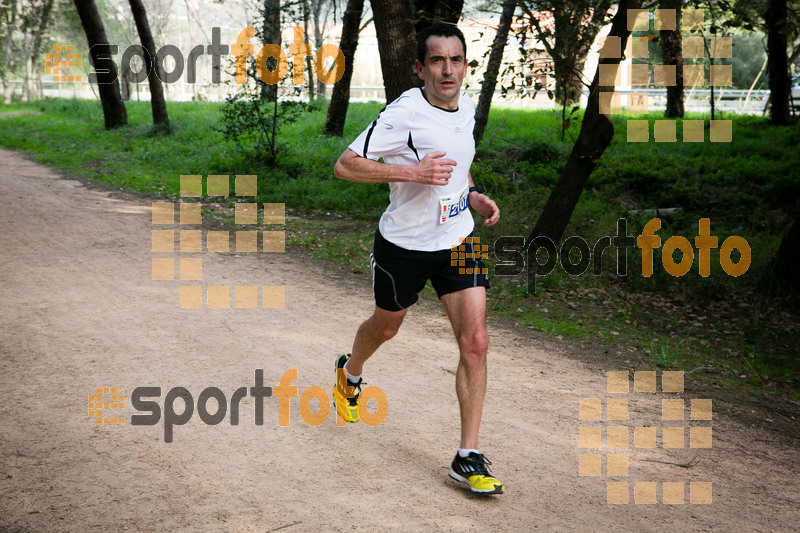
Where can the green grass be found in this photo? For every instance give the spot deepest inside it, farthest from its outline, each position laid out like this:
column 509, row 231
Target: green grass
column 747, row 187
column 69, row 134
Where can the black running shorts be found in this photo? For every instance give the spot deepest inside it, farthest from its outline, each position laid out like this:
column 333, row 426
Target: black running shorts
column 398, row 275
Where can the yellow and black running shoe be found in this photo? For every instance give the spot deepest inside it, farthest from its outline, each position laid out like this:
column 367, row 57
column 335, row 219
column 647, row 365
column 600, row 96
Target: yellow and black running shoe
column 345, row 397
column 474, row 471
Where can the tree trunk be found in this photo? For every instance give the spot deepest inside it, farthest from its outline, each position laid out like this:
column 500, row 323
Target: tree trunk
column 778, row 68
column 26, row 82
column 318, row 41
column 672, row 54
column 270, row 34
column 8, row 91
column 108, row 85
column 157, row 103
column 309, row 65
column 593, row 139
column 567, row 70
column 125, row 84
column 44, row 22
column 340, row 96
column 27, row 51
column 570, row 47
column 396, row 46
column 783, row 273
column 492, row 68
column 9, row 22
column 711, row 88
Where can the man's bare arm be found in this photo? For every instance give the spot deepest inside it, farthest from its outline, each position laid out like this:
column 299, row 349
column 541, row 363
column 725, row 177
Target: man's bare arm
column 432, row 170
column 483, row 205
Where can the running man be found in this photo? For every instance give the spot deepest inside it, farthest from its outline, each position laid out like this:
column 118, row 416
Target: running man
column 425, row 140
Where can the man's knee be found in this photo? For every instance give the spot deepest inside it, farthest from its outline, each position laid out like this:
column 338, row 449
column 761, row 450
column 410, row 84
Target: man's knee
column 473, row 345
column 386, row 327
column 389, row 332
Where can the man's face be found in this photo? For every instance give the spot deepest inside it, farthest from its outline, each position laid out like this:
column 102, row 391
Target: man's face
column 444, row 70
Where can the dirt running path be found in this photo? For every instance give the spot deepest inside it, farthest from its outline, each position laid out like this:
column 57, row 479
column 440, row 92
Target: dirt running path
column 79, row 310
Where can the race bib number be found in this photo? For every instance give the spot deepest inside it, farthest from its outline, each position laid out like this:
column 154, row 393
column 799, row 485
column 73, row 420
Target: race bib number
column 452, row 206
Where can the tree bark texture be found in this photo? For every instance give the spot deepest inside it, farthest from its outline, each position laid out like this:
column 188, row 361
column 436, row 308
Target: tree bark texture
column 158, row 104
column 672, row 54
column 777, row 66
column 396, row 46
column 492, row 69
column 340, row 96
column 270, row 34
column 113, row 108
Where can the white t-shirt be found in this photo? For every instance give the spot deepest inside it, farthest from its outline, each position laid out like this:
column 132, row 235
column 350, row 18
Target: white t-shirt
column 423, row 217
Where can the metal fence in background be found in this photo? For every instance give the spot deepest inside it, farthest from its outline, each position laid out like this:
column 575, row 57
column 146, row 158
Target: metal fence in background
column 695, row 100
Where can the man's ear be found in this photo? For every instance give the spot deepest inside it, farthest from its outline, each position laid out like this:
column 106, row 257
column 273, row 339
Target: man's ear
column 418, row 68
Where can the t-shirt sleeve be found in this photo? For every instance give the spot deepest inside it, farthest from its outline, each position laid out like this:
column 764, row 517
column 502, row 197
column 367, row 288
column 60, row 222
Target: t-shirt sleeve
column 467, row 101
column 387, row 134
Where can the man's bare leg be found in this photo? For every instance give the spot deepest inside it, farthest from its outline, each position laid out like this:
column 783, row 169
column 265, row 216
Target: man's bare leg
column 467, row 312
column 374, row 331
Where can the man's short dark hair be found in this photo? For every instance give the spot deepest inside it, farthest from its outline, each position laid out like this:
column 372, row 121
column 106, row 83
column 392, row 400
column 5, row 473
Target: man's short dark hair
column 438, row 29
